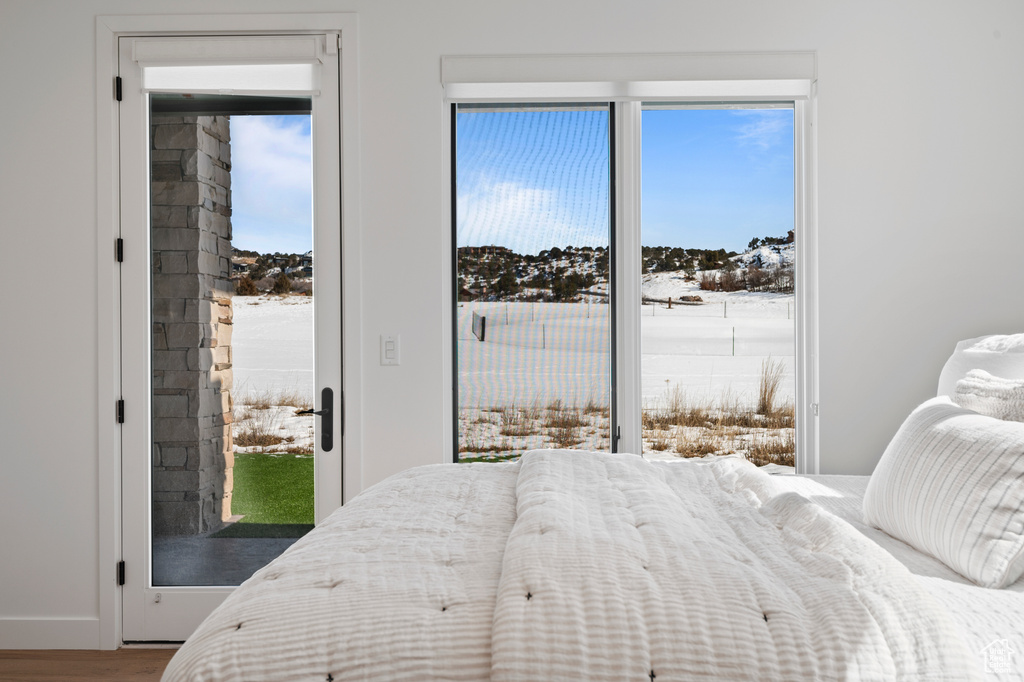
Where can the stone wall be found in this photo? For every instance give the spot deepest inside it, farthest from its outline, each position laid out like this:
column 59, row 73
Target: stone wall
column 191, row 244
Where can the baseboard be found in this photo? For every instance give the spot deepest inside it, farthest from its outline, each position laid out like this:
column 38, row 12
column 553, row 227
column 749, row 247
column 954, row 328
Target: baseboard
column 49, row 633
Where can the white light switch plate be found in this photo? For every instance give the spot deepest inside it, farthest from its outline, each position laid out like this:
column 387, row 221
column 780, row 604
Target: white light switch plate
column 390, row 349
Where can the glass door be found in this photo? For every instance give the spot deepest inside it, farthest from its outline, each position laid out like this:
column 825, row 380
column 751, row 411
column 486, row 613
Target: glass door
column 231, row 448
column 718, row 260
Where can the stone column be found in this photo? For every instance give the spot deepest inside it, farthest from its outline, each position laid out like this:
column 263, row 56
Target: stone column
column 191, row 250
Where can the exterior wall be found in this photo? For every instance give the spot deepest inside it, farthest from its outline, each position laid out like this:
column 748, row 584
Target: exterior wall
column 191, row 237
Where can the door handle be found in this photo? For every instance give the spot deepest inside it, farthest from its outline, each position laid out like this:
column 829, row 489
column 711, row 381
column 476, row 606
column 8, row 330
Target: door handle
column 327, row 425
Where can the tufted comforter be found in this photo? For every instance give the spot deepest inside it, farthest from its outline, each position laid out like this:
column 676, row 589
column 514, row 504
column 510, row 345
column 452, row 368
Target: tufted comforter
column 578, row 565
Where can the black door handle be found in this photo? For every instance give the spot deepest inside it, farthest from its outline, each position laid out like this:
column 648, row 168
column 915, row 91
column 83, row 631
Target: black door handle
column 327, row 425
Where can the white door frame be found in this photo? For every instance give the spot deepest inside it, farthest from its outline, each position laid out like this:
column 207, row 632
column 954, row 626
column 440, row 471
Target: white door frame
column 108, row 30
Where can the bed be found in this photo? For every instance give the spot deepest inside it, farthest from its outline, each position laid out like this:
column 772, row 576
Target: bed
column 595, row 566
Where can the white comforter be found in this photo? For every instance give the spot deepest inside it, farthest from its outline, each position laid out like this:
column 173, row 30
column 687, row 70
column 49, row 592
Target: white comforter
column 573, row 565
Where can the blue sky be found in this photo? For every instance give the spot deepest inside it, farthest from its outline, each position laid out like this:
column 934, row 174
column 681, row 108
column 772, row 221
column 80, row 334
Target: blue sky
column 271, row 183
column 712, row 178
column 716, row 178
column 531, row 180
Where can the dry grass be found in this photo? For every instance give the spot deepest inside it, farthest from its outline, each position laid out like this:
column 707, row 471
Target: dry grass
column 594, row 407
column 256, row 424
column 695, row 428
column 561, row 417
column 778, row 449
column 266, row 398
column 698, row 442
column 257, row 429
column 567, row 436
column 533, row 411
column 677, row 411
column 768, row 389
column 516, row 422
column 472, row 442
column 660, row 440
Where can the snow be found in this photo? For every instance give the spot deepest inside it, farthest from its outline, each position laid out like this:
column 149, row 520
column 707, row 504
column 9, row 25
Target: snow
column 536, row 353
column 272, row 344
column 664, row 285
column 768, row 256
column 272, row 358
column 548, row 351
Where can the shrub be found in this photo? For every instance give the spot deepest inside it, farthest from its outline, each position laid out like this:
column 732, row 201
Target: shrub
column 708, row 281
column 757, row 278
column 282, row 285
column 783, row 280
column 246, row 287
column 730, row 281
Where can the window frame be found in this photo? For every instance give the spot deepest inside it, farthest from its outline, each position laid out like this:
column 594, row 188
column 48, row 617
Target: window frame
column 628, row 82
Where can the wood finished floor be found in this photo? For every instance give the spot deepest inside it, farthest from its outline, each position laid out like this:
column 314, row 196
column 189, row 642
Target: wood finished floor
column 81, row 666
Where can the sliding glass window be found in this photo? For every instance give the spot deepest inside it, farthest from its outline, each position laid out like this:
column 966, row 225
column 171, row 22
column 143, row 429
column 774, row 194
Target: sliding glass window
column 532, row 239
column 695, row 297
column 718, row 257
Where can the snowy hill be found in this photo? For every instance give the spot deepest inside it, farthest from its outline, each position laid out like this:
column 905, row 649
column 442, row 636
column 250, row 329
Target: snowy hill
column 768, row 256
column 495, row 273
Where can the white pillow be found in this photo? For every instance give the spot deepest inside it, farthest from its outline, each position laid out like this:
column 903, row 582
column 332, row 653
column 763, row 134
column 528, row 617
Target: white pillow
column 951, row 484
column 991, row 396
column 999, row 355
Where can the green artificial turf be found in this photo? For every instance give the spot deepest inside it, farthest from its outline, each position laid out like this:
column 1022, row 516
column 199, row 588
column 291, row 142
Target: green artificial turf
column 275, row 495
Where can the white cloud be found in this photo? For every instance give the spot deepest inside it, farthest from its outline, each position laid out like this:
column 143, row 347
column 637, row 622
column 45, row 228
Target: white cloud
column 524, row 219
column 764, row 128
column 271, row 183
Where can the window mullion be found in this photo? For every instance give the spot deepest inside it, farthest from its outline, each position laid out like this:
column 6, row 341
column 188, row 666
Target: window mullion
column 627, row 261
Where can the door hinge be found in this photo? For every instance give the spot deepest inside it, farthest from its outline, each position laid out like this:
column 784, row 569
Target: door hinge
column 119, row 249
column 618, row 437
column 120, row 572
column 117, row 88
column 120, row 411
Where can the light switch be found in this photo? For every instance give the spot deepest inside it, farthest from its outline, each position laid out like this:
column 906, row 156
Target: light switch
column 390, row 349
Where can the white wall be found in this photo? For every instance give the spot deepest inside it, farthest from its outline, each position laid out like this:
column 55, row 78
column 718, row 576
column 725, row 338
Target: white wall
column 920, row 179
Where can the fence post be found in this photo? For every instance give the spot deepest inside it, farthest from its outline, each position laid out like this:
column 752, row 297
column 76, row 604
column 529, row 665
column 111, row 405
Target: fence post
column 543, row 339
column 734, row 341
column 725, row 309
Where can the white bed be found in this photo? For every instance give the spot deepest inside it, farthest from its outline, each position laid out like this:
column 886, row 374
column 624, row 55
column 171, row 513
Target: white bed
column 575, row 565
column 982, row 616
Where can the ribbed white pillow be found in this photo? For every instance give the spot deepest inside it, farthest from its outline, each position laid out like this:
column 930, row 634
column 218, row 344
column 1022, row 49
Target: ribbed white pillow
column 951, row 484
column 991, row 396
column 999, row 355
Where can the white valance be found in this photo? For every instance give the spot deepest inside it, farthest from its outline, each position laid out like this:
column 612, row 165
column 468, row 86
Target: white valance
column 251, row 64
column 747, row 76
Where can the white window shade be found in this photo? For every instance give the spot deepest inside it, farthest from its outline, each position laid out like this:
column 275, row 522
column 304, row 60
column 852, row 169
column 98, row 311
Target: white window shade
column 733, row 76
column 256, row 65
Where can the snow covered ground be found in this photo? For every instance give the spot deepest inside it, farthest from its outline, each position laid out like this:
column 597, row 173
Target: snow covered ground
column 272, row 357
column 552, row 351
column 538, row 353
column 272, row 344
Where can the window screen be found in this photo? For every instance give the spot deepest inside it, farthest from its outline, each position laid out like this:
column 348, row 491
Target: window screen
column 532, row 240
